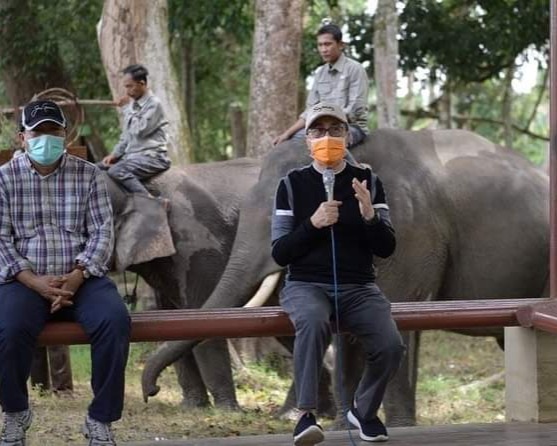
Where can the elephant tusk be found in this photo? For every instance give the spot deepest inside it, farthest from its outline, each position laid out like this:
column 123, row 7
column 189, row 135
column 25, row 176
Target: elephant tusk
column 265, row 290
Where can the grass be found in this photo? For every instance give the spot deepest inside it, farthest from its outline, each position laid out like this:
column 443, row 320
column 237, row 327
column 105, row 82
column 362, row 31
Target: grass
column 451, row 389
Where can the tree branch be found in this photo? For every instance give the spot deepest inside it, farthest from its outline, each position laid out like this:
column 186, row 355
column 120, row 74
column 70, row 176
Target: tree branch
column 421, row 114
column 539, row 99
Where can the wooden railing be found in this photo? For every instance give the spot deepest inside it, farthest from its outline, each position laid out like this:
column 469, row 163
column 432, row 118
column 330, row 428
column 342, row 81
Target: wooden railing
column 165, row 325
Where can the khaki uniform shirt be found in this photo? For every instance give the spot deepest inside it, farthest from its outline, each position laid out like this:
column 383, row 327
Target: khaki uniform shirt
column 344, row 83
column 144, row 128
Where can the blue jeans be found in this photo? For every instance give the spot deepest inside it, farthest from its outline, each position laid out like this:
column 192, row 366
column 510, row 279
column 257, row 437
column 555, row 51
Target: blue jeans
column 363, row 311
column 101, row 312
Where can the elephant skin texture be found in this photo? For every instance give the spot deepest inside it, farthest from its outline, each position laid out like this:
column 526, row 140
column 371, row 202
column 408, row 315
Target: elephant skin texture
column 472, row 221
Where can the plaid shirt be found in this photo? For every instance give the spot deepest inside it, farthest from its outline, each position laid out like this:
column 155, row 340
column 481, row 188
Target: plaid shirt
column 49, row 223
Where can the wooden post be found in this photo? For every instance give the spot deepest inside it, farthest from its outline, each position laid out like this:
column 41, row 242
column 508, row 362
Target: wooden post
column 530, row 379
column 553, row 149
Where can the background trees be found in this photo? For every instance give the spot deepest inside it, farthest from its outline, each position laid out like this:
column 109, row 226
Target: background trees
column 459, row 63
column 136, row 31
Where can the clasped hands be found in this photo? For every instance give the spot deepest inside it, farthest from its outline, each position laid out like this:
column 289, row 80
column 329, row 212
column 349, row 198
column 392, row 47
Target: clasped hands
column 58, row 290
column 327, row 213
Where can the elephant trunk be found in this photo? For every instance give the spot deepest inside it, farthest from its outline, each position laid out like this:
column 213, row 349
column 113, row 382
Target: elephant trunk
column 249, row 263
column 165, row 355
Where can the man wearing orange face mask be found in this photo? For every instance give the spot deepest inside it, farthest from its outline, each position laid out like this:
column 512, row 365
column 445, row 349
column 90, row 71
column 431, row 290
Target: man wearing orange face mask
column 327, row 204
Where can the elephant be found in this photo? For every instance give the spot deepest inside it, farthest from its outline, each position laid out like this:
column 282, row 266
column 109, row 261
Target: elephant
column 182, row 252
column 471, row 219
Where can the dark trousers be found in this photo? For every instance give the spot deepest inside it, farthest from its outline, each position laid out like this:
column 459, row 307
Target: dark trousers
column 101, row 312
column 129, row 171
column 365, row 312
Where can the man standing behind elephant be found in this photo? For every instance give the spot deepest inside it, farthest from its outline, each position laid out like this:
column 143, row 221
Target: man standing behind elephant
column 353, row 215
column 141, row 152
column 56, row 239
column 341, row 81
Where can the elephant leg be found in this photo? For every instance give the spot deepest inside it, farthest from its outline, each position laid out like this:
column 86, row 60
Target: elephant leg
column 39, row 369
column 326, row 406
column 213, row 359
column 194, row 392
column 400, row 398
column 60, row 368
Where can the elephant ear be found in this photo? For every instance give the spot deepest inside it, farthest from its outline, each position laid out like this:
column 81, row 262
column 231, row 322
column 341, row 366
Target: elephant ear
column 142, row 232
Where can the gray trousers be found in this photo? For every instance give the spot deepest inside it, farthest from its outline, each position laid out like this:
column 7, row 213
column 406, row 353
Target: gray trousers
column 363, row 311
column 129, row 171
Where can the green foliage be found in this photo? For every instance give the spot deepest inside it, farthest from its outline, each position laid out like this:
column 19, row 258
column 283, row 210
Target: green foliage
column 217, row 34
column 38, row 32
column 484, row 100
column 8, row 133
column 469, row 40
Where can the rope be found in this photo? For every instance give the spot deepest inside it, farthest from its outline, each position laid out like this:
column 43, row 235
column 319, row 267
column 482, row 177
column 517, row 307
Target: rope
column 130, row 299
column 338, row 342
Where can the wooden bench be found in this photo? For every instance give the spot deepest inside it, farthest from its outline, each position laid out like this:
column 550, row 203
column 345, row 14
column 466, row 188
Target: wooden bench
column 167, row 325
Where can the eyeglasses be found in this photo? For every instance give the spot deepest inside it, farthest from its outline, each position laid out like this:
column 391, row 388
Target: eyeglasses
column 320, row 132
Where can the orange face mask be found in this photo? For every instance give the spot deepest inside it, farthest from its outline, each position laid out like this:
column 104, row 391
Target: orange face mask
column 328, row 150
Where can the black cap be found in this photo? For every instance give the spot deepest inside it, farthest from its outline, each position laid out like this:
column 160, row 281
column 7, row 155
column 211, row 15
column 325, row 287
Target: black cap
column 37, row 112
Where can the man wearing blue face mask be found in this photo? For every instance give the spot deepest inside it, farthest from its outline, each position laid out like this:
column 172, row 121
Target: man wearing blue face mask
column 56, row 240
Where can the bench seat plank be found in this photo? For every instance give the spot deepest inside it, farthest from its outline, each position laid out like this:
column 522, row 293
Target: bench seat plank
column 168, row 325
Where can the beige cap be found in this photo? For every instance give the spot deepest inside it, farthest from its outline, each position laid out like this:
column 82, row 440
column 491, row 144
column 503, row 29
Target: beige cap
column 324, row 109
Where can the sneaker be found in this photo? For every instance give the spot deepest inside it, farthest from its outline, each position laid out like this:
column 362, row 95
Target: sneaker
column 307, row 431
column 14, row 428
column 98, row 434
column 372, row 430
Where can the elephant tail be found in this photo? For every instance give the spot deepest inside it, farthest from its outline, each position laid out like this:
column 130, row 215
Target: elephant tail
column 165, row 355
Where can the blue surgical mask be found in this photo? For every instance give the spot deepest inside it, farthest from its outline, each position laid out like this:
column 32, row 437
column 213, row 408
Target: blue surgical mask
column 45, row 149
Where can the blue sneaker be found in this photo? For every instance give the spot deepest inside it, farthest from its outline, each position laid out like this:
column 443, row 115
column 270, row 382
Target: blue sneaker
column 307, row 431
column 372, row 430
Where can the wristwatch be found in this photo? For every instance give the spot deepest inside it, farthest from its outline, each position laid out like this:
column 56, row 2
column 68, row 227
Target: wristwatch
column 86, row 274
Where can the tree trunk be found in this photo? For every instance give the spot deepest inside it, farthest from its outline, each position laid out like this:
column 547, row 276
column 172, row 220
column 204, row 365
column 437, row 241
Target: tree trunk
column 188, row 81
column 274, row 72
column 410, row 100
column 506, row 107
column 136, row 31
column 445, row 107
column 385, row 56
column 238, row 129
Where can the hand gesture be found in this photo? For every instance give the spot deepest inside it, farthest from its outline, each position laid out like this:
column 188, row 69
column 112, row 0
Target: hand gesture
column 364, row 199
column 109, row 160
column 326, row 214
column 281, row 138
column 72, row 282
column 123, row 101
column 52, row 289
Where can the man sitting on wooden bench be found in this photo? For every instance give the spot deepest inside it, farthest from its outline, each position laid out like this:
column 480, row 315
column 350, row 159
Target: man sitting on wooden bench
column 56, row 239
column 354, row 205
